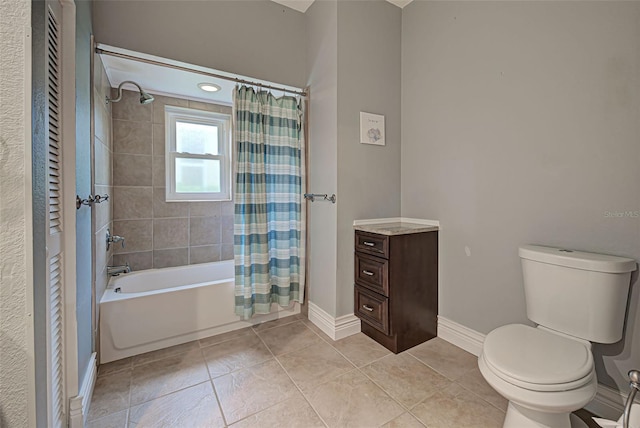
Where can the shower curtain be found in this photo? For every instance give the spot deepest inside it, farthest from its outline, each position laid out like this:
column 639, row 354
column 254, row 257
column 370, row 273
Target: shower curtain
column 269, row 218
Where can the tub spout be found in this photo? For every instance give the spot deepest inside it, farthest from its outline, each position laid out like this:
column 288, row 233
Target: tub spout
column 117, row 270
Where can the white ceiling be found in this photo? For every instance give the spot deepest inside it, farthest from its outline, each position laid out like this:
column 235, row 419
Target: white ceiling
column 303, row 5
column 161, row 80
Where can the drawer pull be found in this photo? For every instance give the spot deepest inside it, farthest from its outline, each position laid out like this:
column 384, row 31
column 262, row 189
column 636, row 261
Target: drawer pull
column 369, row 244
column 366, row 272
column 367, row 308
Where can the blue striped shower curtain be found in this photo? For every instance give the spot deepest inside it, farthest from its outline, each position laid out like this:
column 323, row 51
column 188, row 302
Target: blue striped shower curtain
column 269, row 221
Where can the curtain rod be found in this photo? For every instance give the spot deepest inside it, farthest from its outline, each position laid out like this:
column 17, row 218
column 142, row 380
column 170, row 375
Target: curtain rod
column 193, row 70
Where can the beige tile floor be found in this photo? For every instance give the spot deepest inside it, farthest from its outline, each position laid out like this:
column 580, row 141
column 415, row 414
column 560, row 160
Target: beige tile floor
column 287, row 373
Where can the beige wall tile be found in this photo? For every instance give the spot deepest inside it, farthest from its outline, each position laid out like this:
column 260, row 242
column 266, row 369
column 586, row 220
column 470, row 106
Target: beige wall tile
column 161, row 101
column 158, row 139
column 102, row 164
column 103, row 210
column 170, row 233
column 161, row 208
column 204, row 209
column 170, row 258
column 102, row 118
column 131, row 170
column 129, row 108
column 227, row 208
column 138, row 261
column 227, row 229
column 204, row 254
column 167, row 209
column 132, row 202
column 159, row 171
column 226, row 252
column 101, row 253
column 137, row 234
column 216, row 108
column 132, row 137
column 204, row 231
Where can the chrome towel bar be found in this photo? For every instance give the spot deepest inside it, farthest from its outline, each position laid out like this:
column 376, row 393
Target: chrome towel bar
column 324, row 197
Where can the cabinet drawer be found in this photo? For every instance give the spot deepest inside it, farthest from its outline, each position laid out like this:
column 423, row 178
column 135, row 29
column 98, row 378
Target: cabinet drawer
column 372, row 243
column 372, row 272
column 372, row 308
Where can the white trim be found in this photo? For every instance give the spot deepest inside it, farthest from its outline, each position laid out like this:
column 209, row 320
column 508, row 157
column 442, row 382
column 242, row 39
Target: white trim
column 79, row 405
column 461, row 336
column 222, row 122
column 335, row 328
column 608, row 402
column 68, row 116
column 396, row 220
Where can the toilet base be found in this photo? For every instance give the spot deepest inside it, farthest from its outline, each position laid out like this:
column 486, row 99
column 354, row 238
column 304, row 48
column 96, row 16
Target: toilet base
column 521, row 417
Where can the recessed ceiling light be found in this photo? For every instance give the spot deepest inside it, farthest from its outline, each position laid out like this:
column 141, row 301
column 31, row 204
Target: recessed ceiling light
column 209, row 87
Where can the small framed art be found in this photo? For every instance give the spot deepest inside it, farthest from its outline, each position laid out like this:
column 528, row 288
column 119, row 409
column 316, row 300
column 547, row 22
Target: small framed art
column 372, row 129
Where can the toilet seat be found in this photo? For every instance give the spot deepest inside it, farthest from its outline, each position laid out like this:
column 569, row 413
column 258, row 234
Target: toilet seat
column 538, row 360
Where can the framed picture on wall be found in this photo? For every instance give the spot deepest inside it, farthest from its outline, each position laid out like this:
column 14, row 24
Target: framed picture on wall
column 372, row 129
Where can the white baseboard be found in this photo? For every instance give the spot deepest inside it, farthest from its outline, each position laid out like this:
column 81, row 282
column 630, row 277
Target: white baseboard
column 461, row 336
column 335, row 328
column 79, row 405
column 608, row 403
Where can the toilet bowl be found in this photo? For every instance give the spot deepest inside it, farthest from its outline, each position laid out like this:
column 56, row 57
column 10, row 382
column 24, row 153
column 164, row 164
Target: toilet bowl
column 547, row 372
column 545, row 376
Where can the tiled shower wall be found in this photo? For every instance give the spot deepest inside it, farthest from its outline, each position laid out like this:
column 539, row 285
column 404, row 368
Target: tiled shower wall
column 102, row 178
column 157, row 233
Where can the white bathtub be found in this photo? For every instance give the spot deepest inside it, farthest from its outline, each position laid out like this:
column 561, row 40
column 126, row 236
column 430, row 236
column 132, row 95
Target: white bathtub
column 157, row 308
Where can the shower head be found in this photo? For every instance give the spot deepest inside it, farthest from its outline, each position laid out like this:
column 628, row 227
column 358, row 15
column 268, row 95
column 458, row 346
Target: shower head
column 145, row 98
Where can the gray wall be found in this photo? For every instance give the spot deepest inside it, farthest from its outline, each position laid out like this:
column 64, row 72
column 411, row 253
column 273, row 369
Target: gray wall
column 353, row 60
column 84, row 274
column 368, row 80
column 256, row 38
column 157, row 233
column 520, row 125
column 16, row 337
column 322, row 57
column 102, row 181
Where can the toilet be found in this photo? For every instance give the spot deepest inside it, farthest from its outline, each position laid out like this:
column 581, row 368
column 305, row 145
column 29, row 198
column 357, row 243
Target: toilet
column 546, row 372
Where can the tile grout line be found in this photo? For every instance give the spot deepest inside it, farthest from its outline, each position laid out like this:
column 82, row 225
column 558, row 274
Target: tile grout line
column 213, row 387
column 304, row 397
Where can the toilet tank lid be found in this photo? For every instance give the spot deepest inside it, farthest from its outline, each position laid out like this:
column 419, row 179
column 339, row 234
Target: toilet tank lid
column 577, row 259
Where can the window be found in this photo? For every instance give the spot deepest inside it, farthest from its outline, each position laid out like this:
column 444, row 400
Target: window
column 198, row 155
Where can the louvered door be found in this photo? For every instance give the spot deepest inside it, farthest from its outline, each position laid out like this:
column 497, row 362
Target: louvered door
column 55, row 227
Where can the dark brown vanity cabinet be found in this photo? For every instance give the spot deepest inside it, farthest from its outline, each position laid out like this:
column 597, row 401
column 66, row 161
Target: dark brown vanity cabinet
column 396, row 287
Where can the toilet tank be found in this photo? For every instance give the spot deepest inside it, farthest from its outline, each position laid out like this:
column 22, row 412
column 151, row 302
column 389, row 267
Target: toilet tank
column 580, row 294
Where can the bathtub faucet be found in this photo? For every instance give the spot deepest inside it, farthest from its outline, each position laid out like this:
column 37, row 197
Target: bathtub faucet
column 117, row 270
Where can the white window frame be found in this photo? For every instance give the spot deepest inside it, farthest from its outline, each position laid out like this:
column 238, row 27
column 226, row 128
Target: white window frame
column 223, row 122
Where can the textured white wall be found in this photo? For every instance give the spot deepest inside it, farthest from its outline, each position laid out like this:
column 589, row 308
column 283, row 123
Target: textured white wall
column 15, row 333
